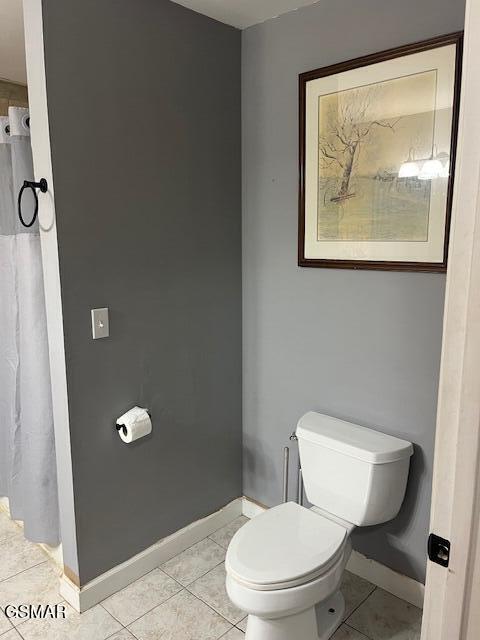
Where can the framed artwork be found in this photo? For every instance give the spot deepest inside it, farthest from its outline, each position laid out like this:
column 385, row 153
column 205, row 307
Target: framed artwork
column 377, row 155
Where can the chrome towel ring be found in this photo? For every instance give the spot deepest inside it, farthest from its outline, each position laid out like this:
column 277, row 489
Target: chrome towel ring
column 43, row 186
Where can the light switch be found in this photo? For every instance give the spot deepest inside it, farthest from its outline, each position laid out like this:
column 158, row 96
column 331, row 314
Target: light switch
column 100, row 323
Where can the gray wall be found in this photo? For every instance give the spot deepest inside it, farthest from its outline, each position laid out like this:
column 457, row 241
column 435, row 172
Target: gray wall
column 144, row 105
column 364, row 346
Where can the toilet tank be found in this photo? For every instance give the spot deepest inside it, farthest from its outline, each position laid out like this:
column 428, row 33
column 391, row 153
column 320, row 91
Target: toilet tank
column 355, row 473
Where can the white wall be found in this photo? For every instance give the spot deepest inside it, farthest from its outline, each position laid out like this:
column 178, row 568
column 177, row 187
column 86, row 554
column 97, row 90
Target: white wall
column 12, row 43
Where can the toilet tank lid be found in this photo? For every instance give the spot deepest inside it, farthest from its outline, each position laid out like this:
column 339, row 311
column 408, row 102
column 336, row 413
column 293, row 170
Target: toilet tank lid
column 352, row 439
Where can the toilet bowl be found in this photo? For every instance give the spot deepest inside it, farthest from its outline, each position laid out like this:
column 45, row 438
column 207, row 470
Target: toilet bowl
column 284, row 568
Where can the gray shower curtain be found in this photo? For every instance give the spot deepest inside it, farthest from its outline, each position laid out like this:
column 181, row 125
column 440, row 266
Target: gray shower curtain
column 27, row 446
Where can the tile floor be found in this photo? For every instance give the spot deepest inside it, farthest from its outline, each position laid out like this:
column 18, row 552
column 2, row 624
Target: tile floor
column 184, row 599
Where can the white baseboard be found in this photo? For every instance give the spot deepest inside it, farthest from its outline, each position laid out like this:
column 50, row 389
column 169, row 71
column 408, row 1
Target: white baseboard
column 124, row 574
column 378, row 574
column 395, row 583
column 250, row 508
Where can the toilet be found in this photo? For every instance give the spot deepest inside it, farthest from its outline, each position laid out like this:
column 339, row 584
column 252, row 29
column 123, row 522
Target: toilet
column 284, row 567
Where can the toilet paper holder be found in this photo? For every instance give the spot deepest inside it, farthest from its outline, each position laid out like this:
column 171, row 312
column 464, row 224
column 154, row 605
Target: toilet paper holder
column 123, row 428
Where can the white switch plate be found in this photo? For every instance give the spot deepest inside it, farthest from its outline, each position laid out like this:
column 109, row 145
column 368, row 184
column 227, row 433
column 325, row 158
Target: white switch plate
column 100, row 328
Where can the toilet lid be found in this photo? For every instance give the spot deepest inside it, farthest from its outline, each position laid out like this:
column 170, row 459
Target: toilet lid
column 283, row 545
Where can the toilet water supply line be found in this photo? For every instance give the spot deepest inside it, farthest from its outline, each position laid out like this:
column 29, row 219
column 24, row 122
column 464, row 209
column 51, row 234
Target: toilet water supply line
column 286, row 456
column 286, row 460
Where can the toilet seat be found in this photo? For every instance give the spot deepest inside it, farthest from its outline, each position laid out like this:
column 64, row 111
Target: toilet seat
column 284, row 547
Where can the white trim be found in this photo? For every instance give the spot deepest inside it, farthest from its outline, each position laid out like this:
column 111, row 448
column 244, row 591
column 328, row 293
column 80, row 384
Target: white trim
column 71, row 593
column 250, row 508
column 395, row 583
column 378, row 574
column 42, row 162
column 124, row 574
column 447, row 613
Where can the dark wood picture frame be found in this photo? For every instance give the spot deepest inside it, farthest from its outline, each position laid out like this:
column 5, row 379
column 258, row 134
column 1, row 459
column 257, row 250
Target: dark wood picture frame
column 440, row 41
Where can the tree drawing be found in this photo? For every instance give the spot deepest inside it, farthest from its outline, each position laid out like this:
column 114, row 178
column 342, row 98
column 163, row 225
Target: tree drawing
column 348, row 128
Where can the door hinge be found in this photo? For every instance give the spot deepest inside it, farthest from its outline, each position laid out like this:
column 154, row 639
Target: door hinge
column 439, row 550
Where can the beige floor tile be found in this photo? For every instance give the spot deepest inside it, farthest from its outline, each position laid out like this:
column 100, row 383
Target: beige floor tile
column 18, row 554
column 385, row 617
column 94, row 624
column 124, row 634
column 7, row 526
column 343, row 633
column 11, row 635
column 243, row 624
column 38, row 585
column 142, row 595
column 211, row 589
column 225, row 534
column 347, row 633
column 183, row 617
column 194, row 562
column 4, row 623
column 355, row 590
column 233, row 634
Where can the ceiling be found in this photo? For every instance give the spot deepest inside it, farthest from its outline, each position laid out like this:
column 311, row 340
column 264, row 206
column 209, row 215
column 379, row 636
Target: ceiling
column 244, row 13
column 12, row 44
